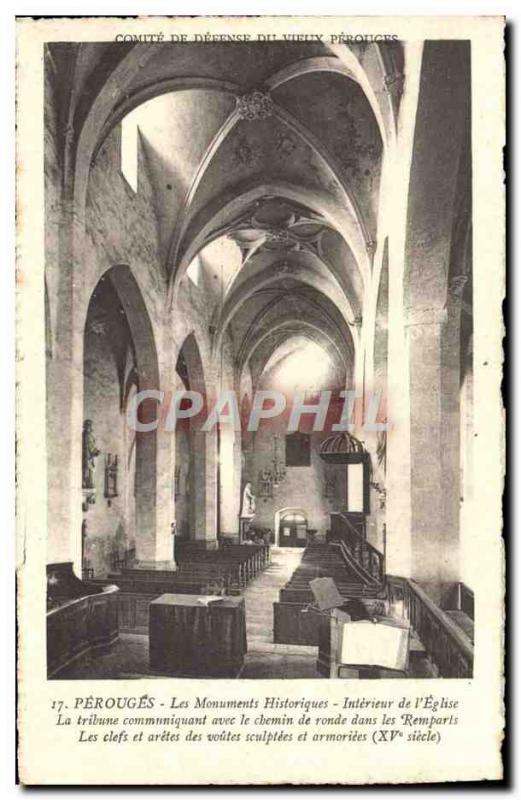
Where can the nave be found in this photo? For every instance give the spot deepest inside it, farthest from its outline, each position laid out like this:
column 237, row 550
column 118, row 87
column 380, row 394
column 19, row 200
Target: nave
column 259, row 351
column 264, row 659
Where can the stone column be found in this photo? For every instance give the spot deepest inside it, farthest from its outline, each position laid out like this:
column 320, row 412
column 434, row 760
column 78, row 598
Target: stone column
column 155, row 471
column 64, row 410
column 450, row 570
column 434, row 461
column 204, row 488
column 398, row 451
column 64, row 435
column 155, row 511
column 229, row 463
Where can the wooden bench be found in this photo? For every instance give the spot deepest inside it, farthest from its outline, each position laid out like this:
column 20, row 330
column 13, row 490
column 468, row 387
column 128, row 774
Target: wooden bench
column 158, row 582
column 292, row 624
column 235, row 573
column 204, row 572
column 238, row 563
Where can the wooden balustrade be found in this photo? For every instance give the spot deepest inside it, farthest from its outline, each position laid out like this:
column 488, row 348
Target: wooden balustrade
column 446, row 645
column 79, row 626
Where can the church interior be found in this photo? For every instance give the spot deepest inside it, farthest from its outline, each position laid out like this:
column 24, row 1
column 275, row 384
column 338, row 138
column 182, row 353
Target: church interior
column 253, row 218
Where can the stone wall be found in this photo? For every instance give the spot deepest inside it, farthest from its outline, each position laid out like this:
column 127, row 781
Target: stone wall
column 303, row 487
column 108, row 531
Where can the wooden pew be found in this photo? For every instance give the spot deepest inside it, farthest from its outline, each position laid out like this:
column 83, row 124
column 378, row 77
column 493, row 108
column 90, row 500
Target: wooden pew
column 203, row 572
column 139, row 587
column 292, row 624
column 158, row 582
column 239, row 563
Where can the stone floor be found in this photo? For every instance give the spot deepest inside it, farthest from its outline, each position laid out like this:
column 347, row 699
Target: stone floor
column 264, row 658
column 128, row 658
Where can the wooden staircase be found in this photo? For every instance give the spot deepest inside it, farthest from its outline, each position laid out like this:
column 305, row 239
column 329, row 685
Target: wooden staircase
column 358, row 554
column 293, row 623
column 442, row 636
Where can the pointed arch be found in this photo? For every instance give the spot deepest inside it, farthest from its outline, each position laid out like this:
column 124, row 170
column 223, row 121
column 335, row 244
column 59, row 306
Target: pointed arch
column 125, row 312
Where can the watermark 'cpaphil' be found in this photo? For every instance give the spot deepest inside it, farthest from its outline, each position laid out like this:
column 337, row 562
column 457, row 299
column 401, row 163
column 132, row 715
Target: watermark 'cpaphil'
column 324, row 410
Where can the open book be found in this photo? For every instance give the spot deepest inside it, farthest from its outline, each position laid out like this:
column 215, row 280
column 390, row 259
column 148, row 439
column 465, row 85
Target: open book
column 378, row 644
column 208, row 599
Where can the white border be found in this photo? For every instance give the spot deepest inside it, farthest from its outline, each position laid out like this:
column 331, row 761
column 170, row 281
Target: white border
column 8, row 11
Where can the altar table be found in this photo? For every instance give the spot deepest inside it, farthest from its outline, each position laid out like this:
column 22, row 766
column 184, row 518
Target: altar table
column 197, row 636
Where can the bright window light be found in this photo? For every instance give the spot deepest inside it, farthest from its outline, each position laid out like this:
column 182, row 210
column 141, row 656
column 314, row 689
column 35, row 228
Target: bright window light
column 298, row 364
column 194, row 271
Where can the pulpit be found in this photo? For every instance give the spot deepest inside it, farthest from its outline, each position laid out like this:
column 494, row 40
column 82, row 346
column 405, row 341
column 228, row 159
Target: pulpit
column 196, row 636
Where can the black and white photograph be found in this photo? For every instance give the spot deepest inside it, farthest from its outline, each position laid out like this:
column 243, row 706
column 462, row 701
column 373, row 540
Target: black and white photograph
column 267, row 413
column 258, row 495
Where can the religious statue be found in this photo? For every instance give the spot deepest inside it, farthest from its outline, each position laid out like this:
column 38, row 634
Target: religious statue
column 89, row 453
column 248, row 502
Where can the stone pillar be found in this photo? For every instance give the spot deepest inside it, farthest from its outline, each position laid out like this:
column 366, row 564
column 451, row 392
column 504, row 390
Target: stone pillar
column 237, row 471
column 229, row 463
column 398, row 451
column 204, row 488
column 62, row 379
column 398, row 479
column 450, row 570
column 63, row 468
column 155, row 467
column 64, row 387
column 155, row 471
column 434, row 461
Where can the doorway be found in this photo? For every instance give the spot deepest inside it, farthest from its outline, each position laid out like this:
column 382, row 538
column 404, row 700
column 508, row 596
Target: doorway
column 293, row 528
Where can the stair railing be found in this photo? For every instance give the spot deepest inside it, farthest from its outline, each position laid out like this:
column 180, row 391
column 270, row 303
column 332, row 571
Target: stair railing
column 369, row 562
